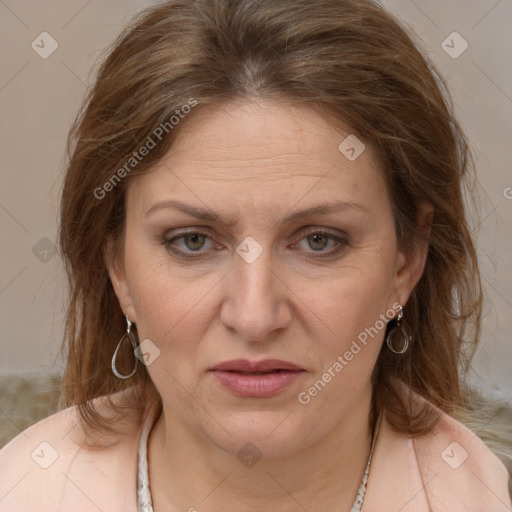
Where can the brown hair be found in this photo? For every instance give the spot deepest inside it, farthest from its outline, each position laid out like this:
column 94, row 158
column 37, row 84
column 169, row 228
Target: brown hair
column 349, row 59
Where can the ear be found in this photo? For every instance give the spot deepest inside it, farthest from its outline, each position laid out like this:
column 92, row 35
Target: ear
column 114, row 260
column 410, row 269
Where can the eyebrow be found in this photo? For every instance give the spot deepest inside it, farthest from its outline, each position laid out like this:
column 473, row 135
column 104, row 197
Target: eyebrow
column 208, row 215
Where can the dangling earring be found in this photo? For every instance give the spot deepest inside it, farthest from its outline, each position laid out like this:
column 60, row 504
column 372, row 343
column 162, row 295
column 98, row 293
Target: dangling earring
column 132, row 337
column 392, row 331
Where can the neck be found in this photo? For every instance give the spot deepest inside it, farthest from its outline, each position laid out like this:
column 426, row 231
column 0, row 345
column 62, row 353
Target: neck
column 187, row 471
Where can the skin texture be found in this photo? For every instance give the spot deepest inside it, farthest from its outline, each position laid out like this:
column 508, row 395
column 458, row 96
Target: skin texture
column 254, row 164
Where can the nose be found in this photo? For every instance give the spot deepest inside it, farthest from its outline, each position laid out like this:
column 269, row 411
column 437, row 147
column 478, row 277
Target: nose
column 256, row 299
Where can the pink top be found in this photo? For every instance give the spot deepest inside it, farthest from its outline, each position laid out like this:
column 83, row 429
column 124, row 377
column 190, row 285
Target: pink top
column 47, row 468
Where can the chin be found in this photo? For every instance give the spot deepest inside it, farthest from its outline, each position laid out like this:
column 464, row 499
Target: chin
column 262, row 433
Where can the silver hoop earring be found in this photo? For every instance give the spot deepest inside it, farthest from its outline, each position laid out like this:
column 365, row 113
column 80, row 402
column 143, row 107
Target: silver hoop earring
column 131, row 336
column 393, row 330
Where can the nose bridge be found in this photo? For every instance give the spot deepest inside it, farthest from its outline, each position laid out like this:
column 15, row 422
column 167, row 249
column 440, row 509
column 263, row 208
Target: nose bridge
column 254, row 278
column 254, row 301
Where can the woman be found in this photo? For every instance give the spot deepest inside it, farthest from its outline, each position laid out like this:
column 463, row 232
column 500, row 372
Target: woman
column 272, row 276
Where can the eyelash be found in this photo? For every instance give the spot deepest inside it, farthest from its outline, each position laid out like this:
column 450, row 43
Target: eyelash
column 167, row 242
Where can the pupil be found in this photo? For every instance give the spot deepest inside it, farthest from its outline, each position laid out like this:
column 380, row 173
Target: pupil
column 315, row 240
column 194, row 239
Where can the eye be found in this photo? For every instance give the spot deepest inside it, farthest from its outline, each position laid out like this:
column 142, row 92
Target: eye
column 317, row 241
column 191, row 242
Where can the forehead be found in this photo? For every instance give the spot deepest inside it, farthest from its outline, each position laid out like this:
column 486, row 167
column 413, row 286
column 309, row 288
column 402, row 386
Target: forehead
column 266, row 152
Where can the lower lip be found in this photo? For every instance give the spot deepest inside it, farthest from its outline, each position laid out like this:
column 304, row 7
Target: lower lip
column 257, row 385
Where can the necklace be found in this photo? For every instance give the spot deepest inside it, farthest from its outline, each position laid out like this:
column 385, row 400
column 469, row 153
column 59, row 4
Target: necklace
column 145, row 503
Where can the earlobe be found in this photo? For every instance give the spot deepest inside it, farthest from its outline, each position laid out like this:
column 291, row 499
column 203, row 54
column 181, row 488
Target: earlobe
column 114, row 262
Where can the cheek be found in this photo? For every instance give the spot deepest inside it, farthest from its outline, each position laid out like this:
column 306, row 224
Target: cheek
column 354, row 298
column 347, row 344
column 168, row 306
column 172, row 315
column 154, row 289
column 352, row 309
column 173, row 308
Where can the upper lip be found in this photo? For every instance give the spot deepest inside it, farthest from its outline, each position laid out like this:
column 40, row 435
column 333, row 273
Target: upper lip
column 266, row 365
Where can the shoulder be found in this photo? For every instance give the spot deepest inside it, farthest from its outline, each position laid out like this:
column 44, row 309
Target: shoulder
column 449, row 468
column 461, row 468
column 49, row 466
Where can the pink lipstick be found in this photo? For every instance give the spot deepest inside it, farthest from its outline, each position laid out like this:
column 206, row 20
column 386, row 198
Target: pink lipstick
column 257, row 379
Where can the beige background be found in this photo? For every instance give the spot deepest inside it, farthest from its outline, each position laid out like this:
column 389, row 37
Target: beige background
column 39, row 97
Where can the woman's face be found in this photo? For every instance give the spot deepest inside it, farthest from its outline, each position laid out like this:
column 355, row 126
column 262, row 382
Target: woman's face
column 260, row 278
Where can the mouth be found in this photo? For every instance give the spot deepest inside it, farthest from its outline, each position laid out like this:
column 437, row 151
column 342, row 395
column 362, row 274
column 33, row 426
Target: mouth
column 258, row 379
column 260, row 373
column 264, row 366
